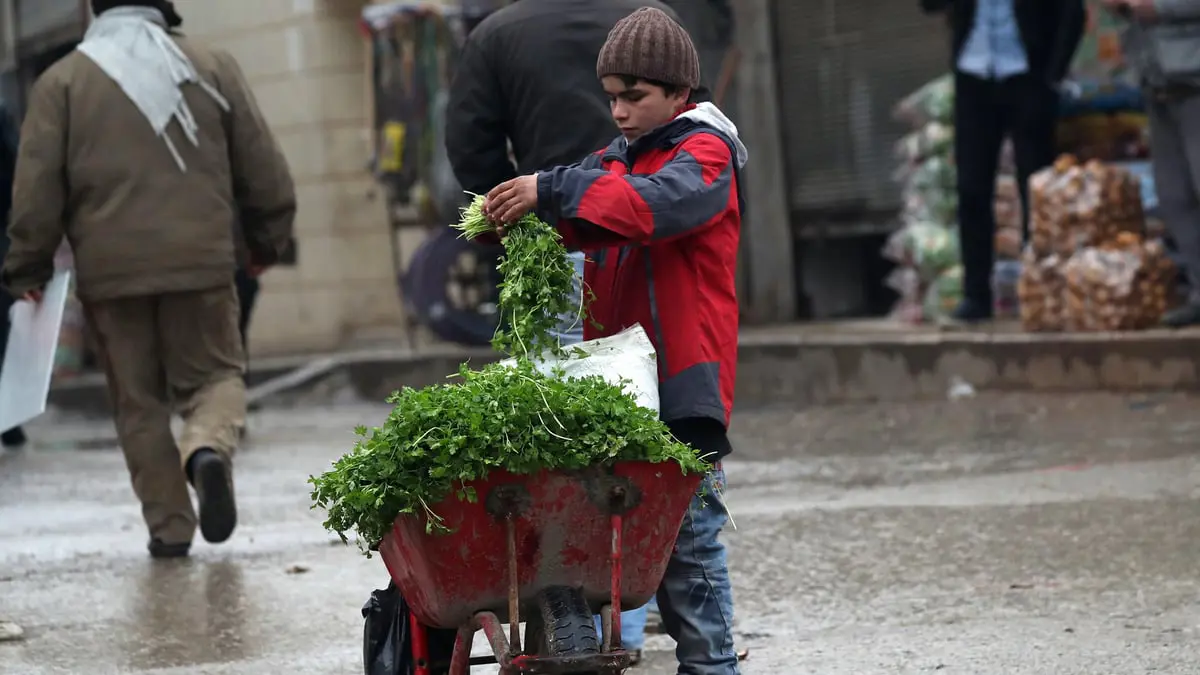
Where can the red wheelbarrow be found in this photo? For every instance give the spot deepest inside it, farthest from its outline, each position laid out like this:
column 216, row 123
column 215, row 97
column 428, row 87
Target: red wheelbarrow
column 552, row 549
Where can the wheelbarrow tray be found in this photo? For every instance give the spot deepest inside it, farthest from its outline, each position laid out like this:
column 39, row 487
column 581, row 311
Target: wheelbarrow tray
column 564, row 536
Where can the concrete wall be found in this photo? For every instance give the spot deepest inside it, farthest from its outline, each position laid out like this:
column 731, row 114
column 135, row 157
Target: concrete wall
column 305, row 60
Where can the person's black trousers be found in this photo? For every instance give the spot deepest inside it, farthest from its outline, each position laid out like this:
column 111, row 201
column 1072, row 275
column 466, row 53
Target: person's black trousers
column 1023, row 108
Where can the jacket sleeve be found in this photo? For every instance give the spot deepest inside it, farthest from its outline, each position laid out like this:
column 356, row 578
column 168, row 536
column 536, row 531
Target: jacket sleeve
column 36, row 225
column 688, row 194
column 1072, row 18
column 1177, row 10
column 262, row 182
column 476, row 130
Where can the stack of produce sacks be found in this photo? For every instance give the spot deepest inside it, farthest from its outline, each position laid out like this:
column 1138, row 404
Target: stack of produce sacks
column 1088, row 265
column 925, row 248
column 1041, row 292
column 1122, row 285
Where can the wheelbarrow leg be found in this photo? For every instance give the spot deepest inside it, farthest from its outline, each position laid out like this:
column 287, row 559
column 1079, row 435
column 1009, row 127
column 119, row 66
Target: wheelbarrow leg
column 460, row 661
column 420, row 646
column 612, row 635
column 514, row 588
column 606, row 629
column 493, row 630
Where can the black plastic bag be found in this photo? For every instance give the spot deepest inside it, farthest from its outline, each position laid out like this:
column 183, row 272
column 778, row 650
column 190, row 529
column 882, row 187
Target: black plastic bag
column 387, row 637
column 387, row 645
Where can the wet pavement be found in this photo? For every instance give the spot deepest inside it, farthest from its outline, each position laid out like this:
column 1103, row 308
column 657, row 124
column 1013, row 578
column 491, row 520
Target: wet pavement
column 1026, row 534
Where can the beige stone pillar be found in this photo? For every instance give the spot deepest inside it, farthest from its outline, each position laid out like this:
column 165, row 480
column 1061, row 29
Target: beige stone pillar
column 305, row 61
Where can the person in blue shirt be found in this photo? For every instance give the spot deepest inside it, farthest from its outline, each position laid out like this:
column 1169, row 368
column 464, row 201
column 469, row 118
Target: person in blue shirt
column 1009, row 58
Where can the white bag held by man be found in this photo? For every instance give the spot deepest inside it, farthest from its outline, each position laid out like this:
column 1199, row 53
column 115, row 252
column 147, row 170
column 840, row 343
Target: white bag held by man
column 628, row 355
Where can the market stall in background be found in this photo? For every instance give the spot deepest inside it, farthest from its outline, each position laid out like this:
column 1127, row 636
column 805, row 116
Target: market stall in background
column 448, row 284
column 1096, row 260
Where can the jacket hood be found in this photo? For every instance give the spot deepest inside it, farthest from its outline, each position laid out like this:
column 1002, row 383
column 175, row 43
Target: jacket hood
column 701, row 115
column 710, row 115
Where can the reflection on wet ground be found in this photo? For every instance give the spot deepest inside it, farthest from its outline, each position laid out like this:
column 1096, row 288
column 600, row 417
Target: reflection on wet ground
column 999, row 534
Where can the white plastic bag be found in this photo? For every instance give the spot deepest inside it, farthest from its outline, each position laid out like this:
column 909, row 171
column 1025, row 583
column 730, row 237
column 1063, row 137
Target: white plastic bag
column 627, row 355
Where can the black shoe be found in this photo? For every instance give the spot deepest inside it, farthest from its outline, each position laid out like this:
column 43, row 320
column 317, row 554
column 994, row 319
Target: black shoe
column 972, row 311
column 13, row 438
column 210, row 475
column 163, row 551
column 1182, row 317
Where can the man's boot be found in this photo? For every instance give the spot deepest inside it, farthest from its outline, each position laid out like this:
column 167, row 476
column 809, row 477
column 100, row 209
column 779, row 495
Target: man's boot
column 163, row 551
column 212, row 478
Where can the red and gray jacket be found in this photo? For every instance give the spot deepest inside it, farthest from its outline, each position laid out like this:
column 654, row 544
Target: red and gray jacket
column 660, row 220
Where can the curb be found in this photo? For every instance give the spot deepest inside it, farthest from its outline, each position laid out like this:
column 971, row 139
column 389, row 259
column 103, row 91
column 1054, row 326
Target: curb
column 792, row 369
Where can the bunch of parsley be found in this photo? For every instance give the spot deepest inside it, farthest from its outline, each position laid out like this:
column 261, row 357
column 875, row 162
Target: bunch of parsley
column 536, row 279
column 504, row 417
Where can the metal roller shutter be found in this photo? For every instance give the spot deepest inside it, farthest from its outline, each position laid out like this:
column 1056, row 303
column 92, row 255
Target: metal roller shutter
column 841, row 66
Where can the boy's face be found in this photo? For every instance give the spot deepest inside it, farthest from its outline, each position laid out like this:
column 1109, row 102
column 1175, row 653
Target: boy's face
column 639, row 107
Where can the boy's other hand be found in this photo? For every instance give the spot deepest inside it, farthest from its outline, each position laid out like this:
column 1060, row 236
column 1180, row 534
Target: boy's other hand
column 508, row 201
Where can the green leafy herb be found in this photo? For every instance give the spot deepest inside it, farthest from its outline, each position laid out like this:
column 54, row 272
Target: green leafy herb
column 438, row 439
column 537, row 277
column 504, row 417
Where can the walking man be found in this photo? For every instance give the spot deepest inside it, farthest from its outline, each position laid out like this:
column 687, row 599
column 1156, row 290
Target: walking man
column 143, row 149
column 1009, row 58
column 1161, row 43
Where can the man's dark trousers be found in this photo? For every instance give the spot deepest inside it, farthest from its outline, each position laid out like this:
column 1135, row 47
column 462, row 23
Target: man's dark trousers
column 1022, row 108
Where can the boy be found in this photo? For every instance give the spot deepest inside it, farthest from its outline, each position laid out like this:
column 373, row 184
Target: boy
column 659, row 214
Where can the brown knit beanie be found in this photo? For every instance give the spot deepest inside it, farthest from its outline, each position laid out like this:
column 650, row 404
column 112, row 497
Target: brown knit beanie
column 650, row 45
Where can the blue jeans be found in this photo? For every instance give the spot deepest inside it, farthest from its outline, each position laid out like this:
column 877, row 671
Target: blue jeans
column 633, row 626
column 695, row 597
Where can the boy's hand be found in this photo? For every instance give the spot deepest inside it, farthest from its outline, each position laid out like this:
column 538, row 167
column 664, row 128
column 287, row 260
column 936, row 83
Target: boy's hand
column 508, row 201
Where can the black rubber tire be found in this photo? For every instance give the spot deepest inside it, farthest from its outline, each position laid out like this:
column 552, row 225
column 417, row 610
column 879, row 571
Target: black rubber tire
column 565, row 626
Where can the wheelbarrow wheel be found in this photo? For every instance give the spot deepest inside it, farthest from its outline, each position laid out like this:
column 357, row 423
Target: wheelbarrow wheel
column 563, row 626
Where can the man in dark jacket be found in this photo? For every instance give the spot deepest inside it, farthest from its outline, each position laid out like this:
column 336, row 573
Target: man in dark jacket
column 527, row 74
column 1009, row 57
